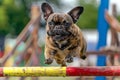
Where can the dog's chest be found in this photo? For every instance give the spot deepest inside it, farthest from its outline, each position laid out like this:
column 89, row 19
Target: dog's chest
column 62, row 45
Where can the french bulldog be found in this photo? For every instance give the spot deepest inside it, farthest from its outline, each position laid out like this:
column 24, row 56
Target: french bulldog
column 64, row 39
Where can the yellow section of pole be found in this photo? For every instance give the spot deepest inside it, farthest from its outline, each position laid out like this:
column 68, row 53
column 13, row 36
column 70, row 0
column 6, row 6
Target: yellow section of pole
column 34, row 71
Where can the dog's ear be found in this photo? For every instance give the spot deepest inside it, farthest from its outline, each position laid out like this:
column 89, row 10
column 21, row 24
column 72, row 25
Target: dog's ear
column 47, row 10
column 75, row 13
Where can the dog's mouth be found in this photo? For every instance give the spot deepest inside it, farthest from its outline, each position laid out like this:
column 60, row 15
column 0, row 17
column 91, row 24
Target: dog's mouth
column 59, row 37
column 60, row 34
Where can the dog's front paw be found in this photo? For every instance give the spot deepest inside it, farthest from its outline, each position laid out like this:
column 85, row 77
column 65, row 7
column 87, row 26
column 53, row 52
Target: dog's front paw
column 69, row 59
column 48, row 61
column 83, row 57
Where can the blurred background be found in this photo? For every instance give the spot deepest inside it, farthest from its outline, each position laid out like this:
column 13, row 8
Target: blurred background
column 16, row 15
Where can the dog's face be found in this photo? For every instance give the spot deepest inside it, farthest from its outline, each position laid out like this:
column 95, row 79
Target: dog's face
column 59, row 24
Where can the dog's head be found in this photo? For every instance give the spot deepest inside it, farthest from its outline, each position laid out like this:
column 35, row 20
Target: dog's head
column 58, row 24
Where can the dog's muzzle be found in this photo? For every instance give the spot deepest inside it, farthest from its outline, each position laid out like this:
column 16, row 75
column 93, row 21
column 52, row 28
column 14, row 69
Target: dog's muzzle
column 59, row 34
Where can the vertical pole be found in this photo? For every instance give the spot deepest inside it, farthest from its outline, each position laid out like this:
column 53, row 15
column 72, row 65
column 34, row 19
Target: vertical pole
column 2, row 41
column 102, row 34
column 114, row 35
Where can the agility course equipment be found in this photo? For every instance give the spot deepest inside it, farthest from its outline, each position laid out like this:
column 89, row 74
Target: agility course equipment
column 101, row 61
column 29, row 35
column 59, row 71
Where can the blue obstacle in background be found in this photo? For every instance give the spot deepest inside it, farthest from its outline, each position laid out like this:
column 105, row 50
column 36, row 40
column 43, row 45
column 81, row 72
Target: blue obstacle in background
column 102, row 34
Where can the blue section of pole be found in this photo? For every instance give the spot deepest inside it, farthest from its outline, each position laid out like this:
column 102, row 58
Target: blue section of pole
column 102, row 34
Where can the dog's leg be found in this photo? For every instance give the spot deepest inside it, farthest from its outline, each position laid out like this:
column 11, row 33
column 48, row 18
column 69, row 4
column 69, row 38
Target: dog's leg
column 49, row 55
column 83, row 50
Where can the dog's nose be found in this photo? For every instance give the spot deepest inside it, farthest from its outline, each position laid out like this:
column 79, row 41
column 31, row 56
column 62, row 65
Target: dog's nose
column 58, row 27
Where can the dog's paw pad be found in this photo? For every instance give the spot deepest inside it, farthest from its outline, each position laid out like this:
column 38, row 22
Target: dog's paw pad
column 48, row 61
column 69, row 59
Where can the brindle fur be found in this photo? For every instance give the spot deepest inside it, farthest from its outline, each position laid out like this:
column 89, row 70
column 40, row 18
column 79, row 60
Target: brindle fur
column 70, row 41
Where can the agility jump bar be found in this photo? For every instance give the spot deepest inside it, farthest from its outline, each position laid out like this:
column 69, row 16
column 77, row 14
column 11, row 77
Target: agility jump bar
column 59, row 71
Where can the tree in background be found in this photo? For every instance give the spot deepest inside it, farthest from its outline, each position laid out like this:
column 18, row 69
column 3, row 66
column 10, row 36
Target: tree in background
column 13, row 16
column 89, row 17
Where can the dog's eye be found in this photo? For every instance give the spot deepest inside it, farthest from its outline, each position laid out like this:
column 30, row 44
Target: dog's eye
column 51, row 23
column 65, row 23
